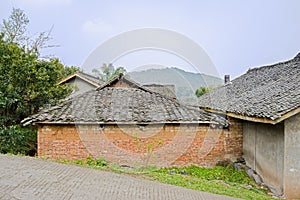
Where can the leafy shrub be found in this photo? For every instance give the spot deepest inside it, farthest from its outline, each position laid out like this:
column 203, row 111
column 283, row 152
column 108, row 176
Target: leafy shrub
column 18, row 140
column 202, row 90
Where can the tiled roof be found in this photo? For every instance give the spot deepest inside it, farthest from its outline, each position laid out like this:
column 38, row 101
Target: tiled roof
column 167, row 90
column 112, row 104
column 264, row 92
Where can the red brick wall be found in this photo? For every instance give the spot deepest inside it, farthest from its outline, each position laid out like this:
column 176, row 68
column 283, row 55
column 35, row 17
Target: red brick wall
column 60, row 142
column 161, row 145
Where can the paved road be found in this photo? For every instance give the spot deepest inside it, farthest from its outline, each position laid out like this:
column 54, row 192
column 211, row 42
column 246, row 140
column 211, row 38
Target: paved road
column 30, row 178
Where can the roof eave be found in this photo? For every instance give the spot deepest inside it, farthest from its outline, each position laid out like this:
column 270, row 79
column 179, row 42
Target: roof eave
column 257, row 119
column 252, row 119
column 124, row 123
column 288, row 115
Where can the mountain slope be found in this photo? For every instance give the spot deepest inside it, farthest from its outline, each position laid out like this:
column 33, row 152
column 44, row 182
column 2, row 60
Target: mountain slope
column 185, row 83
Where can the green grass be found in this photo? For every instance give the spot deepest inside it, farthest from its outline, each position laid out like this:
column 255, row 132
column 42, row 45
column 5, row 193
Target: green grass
column 217, row 180
column 228, row 173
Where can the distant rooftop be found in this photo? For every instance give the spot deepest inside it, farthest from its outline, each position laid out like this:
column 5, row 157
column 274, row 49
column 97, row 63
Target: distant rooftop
column 96, row 81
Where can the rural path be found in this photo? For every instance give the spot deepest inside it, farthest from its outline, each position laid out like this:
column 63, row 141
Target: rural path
column 30, row 178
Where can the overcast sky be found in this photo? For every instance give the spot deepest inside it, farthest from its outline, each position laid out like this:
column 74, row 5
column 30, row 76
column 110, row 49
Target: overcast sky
column 236, row 35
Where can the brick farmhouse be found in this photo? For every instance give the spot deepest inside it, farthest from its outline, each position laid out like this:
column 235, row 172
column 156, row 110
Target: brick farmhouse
column 130, row 124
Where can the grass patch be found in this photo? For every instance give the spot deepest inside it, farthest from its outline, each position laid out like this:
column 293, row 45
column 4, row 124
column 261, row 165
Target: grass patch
column 218, row 180
column 227, row 174
column 89, row 162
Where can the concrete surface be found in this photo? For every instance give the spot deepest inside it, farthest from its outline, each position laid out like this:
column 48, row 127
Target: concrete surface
column 291, row 157
column 30, row 178
column 81, row 86
column 263, row 148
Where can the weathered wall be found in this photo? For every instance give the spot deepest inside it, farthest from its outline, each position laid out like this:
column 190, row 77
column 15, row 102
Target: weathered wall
column 80, row 86
column 263, row 150
column 60, row 142
column 161, row 145
column 292, row 157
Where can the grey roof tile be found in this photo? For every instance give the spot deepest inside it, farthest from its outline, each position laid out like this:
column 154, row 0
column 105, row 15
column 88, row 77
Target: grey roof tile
column 167, row 90
column 134, row 104
column 265, row 92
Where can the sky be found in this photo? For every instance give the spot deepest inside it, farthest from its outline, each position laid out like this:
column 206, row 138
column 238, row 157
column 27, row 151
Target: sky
column 235, row 35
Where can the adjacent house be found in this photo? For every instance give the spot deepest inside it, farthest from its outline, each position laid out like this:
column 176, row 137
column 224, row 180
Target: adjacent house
column 81, row 82
column 267, row 100
column 129, row 124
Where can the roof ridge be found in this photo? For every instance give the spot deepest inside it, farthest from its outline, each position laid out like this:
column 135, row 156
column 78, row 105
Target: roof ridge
column 296, row 58
column 115, row 78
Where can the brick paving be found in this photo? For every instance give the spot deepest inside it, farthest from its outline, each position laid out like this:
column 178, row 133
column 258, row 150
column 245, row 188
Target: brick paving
column 30, row 178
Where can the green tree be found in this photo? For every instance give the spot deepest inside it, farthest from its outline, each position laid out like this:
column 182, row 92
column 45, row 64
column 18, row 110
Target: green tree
column 107, row 72
column 18, row 140
column 68, row 70
column 27, row 84
column 202, row 90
